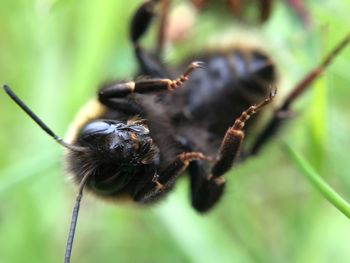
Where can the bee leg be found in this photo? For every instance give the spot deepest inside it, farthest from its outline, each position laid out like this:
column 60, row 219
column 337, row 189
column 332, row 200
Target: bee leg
column 148, row 63
column 164, row 13
column 122, row 89
column 230, row 145
column 207, row 189
column 265, row 10
column 164, row 181
column 204, row 193
column 284, row 112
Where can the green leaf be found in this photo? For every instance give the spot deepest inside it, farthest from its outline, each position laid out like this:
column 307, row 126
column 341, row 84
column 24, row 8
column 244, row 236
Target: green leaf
column 317, row 182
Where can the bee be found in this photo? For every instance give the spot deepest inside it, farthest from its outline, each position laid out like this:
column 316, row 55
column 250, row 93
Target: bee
column 136, row 139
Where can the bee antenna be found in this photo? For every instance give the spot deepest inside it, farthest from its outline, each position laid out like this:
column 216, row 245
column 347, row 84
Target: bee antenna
column 38, row 121
column 73, row 222
column 79, row 196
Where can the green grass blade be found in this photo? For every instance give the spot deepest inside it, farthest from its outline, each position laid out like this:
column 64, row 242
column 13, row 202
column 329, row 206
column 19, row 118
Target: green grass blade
column 316, row 180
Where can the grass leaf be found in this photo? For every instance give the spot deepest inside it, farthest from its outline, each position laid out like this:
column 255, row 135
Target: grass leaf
column 318, row 183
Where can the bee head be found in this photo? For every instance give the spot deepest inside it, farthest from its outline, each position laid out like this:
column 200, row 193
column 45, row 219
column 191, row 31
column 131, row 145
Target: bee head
column 118, row 142
column 115, row 153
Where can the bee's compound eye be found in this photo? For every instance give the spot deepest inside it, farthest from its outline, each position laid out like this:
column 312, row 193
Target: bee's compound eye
column 97, row 127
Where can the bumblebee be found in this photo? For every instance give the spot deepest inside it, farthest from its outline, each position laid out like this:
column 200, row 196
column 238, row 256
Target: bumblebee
column 139, row 136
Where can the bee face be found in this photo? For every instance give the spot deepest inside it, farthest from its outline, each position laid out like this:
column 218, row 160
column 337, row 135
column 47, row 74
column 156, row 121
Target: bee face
column 114, row 153
column 114, row 137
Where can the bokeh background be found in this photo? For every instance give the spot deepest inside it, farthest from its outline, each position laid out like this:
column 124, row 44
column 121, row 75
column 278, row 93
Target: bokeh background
column 54, row 54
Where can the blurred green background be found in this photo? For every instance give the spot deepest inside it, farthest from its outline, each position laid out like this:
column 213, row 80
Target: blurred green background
column 54, row 54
